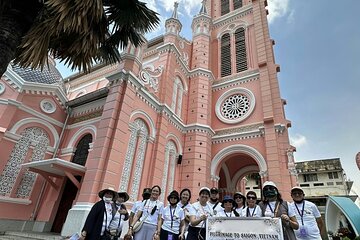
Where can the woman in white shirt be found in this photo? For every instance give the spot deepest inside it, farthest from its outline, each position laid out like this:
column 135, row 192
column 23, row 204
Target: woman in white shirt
column 199, row 212
column 149, row 214
column 274, row 206
column 184, row 203
column 171, row 225
column 239, row 202
column 252, row 209
column 120, row 216
column 228, row 205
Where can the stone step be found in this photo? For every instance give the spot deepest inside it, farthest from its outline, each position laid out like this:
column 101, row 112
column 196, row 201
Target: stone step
column 30, row 236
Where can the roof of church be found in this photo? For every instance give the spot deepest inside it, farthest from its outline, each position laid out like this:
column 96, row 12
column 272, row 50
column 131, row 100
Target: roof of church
column 49, row 74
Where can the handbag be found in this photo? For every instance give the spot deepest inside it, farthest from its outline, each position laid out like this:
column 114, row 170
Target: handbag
column 137, row 226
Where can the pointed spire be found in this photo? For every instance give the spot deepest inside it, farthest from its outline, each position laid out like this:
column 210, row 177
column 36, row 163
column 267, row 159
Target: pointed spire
column 203, row 7
column 175, row 14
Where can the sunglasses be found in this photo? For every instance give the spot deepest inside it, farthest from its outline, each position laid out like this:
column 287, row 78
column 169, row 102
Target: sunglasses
column 237, row 197
column 251, row 197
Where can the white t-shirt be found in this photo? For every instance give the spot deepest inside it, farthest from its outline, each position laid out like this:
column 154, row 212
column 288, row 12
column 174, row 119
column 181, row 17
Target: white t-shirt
column 251, row 212
column 117, row 222
column 225, row 214
column 136, row 206
column 172, row 218
column 197, row 210
column 186, row 212
column 270, row 209
column 311, row 212
column 218, row 207
column 107, row 217
column 240, row 210
column 146, row 209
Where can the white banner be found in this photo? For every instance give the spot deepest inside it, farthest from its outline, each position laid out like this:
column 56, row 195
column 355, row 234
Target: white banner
column 240, row 228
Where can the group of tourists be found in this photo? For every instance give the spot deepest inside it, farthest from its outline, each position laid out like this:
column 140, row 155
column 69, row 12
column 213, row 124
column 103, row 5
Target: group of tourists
column 149, row 219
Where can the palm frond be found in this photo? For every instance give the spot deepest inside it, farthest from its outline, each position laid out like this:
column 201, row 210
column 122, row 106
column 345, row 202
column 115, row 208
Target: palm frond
column 77, row 32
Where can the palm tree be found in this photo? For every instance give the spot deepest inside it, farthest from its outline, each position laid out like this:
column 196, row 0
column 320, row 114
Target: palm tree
column 77, row 32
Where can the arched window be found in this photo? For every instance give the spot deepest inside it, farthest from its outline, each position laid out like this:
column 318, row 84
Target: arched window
column 135, row 154
column 178, row 91
column 225, row 7
column 240, row 49
column 225, row 55
column 35, row 137
column 82, row 150
column 169, row 167
column 237, row 4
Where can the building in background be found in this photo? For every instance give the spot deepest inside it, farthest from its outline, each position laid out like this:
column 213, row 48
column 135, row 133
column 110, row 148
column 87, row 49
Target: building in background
column 321, row 178
column 175, row 112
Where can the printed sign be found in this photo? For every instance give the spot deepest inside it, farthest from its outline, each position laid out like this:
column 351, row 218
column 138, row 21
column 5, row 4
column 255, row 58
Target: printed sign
column 235, row 228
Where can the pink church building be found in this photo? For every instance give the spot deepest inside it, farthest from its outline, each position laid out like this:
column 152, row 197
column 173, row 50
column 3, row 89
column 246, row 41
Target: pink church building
column 175, row 112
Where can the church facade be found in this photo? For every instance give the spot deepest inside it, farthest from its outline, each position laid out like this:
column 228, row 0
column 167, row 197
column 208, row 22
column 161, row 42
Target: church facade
column 174, row 112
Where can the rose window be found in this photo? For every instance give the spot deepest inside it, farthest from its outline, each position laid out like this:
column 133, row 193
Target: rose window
column 235, row 106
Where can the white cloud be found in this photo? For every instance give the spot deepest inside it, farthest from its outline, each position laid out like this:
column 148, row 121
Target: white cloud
column 277, row 9
column 298, row 140
column 189, row 6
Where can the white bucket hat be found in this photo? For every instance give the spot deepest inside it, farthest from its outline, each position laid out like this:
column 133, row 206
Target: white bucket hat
column 269, row 183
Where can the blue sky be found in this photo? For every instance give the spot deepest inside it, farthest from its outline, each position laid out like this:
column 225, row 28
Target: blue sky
column 318, row 49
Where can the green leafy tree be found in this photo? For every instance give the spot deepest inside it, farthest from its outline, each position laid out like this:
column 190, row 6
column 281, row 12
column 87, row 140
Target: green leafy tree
column 77, row 32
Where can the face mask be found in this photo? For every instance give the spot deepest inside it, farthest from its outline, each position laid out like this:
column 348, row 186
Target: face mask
column 270, row 193
column 107, row 200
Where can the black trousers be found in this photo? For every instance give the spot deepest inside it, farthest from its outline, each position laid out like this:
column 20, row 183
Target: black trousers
column 195, row 233
column 164, row 235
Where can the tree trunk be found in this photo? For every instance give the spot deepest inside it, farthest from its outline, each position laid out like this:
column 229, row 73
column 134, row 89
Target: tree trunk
column 15, row 22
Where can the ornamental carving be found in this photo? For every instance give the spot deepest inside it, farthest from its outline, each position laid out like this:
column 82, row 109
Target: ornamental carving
column 170, row 158
column 243, row 129
column 30, row 136
column 47, row 106
column 139, row 134
column 235, row 105
column 149, row 76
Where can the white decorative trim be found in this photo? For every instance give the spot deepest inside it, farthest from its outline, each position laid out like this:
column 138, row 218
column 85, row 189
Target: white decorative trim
column 2, row 88
column 240, row 133
column 85, row 129
column 21, row 201
column 31, row 111
column 178, row 143
column 240, row 12
column 150, row 76
column 24, row 121
column 68, row 151
column 148, row 118
column 48, row 106
column 36, row 88
column 234, row 81
column 242, row 172
column 238, row 148
column 225, row 95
